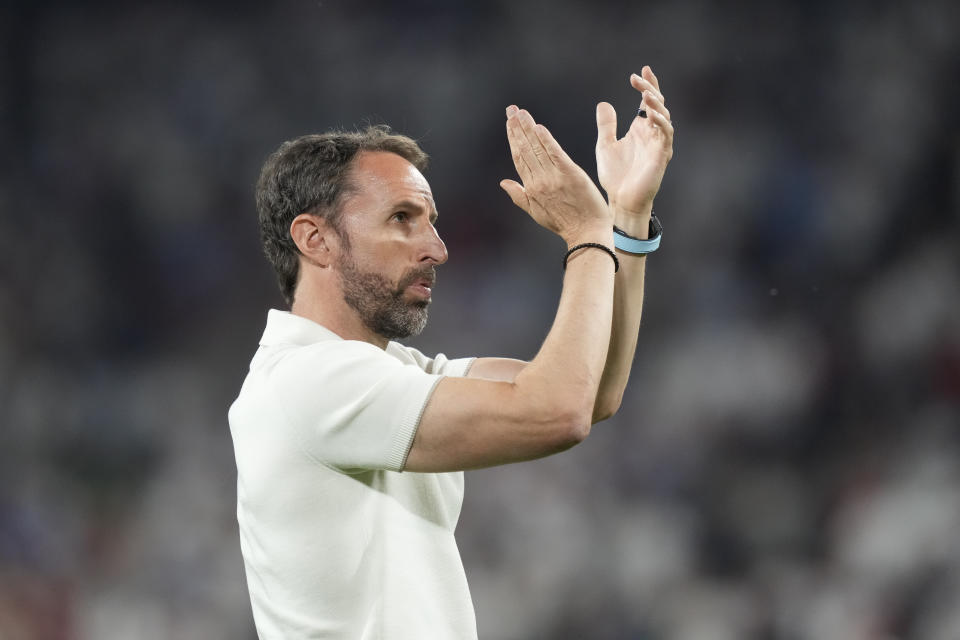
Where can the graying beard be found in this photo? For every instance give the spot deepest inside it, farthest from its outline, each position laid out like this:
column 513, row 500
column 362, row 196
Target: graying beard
column 380, row 307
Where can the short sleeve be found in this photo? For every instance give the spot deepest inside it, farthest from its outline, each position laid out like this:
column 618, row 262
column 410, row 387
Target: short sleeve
column 353, row 405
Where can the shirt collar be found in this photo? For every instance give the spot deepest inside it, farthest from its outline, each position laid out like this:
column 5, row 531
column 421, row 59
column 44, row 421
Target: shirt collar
column 284, row 327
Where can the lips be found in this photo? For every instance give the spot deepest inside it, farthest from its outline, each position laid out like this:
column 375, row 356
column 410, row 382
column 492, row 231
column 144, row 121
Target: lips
column 424, row 286
column 425, row 278
column 421, row 281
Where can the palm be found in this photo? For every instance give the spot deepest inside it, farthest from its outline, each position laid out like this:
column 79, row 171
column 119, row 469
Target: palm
column 631, row 168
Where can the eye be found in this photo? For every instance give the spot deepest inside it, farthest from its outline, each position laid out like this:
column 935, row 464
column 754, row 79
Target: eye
column 400, row 216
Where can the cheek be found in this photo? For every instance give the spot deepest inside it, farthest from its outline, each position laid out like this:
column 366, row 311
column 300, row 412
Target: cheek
column 385, row 258
column 362, row 251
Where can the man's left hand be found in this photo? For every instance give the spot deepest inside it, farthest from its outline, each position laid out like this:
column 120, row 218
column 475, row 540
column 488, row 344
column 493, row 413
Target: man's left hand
column 631, row 168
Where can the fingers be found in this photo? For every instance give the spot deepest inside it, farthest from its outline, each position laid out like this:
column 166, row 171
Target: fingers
column 648, row 74
column 532, row 145
column 525, row 146
column 528, row 126
column 557, row 155
column 651, row 102
column 606, row 124
column 647, row 83
column 523, row 158
column 657, row 118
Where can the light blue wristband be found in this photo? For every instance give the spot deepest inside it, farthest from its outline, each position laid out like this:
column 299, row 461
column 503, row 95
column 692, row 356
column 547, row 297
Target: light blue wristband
column 636, row 246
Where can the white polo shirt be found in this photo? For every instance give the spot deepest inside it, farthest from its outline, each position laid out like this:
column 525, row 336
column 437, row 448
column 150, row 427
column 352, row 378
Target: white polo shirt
column 337, row 543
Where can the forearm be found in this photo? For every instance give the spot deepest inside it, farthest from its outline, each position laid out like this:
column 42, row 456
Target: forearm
column 569, row 366
column 473, row 423
column 626, row 316
column 630, row 170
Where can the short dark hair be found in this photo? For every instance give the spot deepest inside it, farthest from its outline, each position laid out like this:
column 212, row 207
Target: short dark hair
column 311, row 174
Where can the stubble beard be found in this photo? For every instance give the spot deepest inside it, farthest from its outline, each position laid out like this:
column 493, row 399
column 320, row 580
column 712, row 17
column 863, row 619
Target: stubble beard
column 380, row 304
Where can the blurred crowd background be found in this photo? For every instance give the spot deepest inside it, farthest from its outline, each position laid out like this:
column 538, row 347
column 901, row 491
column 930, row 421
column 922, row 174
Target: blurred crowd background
column 786, row 465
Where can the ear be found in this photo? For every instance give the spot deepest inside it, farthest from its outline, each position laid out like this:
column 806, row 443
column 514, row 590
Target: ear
column 315, row 239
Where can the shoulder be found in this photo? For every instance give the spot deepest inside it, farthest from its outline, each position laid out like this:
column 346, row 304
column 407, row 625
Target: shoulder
column 437, row 365
column 325, row 358
column 408, row 355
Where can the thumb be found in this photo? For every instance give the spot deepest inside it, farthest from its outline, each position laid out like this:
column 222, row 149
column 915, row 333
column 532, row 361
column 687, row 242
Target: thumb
column 517, row 193
column 606, row 124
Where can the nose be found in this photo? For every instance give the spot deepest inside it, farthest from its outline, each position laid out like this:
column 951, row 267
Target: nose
column 434, row 250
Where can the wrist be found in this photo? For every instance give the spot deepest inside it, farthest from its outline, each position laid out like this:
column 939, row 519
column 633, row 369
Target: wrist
column 634, row 223
column 639, row 246
column 601, row 233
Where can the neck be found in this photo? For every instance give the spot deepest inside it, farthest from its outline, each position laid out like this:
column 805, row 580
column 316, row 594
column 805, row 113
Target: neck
column 329, row 309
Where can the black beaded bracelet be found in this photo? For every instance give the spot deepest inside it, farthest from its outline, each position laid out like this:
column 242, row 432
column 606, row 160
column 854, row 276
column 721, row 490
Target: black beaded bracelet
column 592, row 245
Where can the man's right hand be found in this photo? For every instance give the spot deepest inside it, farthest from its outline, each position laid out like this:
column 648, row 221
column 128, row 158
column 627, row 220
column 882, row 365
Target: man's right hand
column 557, row 193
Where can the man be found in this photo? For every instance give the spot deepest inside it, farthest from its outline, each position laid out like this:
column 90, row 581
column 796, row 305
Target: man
column 350, row 447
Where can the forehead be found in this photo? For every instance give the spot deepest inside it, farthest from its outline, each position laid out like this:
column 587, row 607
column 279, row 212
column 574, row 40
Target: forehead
column 384, row 176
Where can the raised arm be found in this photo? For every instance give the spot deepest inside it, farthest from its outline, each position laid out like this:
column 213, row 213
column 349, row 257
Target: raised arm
column 630, row 171
column 547, row 407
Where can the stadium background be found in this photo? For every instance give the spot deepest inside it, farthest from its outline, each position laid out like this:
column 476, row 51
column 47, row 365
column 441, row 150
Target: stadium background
column 786, row 464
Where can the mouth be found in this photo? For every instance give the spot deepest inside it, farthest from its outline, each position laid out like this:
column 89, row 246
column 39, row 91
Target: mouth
column 423, row 287
column 419, row 281
column 422, row 284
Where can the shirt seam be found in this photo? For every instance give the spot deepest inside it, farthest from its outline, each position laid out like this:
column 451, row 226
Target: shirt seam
column 416, row 426
column 466, row 371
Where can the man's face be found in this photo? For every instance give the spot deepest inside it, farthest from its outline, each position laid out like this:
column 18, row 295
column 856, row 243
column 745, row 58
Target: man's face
column 388, row 271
